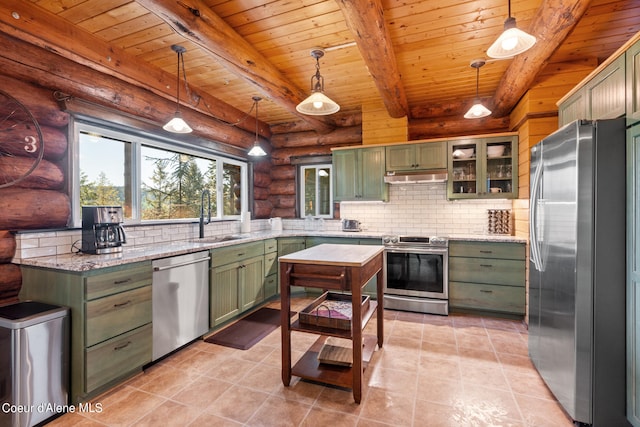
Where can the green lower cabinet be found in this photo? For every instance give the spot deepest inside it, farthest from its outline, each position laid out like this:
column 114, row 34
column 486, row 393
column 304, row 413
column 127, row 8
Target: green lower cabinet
column 224, row 293
column 286, row 246
column 270, row 286
column 106, row 360
column 236, row 281
column 480, row 296
column 252, row 282
column 487, row 277
column 110, row 321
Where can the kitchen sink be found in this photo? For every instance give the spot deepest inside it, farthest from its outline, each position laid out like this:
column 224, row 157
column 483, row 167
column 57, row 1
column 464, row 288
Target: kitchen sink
column 217, row 239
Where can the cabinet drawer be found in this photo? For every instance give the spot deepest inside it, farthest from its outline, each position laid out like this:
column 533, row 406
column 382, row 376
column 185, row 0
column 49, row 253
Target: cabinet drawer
column 110, row 316
column 487, row 250
column 270, row 286
column 270, row 245
column 134, row 276
column 505, row 299
column 487, row 270
column 231, row 254
column 270, row 263
column 114, row 358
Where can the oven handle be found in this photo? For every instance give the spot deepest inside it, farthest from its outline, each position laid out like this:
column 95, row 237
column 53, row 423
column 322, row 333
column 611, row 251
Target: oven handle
column 435, row 251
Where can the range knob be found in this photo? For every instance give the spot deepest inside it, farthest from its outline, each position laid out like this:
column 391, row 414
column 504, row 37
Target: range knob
column 438, row 240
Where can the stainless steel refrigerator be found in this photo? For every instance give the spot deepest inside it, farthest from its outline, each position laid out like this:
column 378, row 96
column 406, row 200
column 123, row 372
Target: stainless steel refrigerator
column 577, row 268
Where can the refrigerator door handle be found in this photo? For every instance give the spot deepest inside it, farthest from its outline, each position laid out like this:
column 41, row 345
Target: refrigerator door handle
column 533, row 206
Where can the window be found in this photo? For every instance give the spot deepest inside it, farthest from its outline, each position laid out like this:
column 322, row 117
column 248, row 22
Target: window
column 153, row 180
column 316, row 194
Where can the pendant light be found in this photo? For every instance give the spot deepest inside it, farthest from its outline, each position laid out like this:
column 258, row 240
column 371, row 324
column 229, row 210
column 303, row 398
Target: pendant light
column 477, row 110
column 256, row 150
column 317, row 104
column 512, row 41
column 177, row 124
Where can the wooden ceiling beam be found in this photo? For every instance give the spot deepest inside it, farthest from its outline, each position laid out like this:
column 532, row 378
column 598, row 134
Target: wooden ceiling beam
column 48, row 31
column 551, row 25
column 199, row 24
column 365, row 19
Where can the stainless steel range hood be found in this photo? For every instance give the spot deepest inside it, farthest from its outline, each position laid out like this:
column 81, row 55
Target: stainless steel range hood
column 423, row 177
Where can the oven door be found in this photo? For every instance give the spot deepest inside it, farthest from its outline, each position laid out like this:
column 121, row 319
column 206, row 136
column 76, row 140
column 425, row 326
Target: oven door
column 418, row 272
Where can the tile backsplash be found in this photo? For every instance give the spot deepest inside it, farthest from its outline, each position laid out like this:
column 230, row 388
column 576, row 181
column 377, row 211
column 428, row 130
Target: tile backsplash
column 412, row 209
column 423, row 209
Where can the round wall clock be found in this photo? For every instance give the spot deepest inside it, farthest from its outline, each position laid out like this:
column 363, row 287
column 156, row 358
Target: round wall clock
column 21, row 144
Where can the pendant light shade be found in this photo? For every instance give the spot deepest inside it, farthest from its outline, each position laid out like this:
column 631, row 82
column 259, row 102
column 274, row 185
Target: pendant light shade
column 512, row 41
column 478, row 110
column 177, row 124
column 256, row 150
column 317, row 104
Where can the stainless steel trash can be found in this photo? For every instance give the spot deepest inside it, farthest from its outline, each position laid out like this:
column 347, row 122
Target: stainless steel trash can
column 34, row 372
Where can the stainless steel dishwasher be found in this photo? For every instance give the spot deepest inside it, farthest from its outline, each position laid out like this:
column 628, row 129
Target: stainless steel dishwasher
column 180, row 294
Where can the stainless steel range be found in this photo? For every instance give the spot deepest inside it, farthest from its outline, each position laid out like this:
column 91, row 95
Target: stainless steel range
column 416, row 271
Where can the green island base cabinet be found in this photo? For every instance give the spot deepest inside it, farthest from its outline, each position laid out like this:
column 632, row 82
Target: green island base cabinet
column 487, row 277
column 111, row 332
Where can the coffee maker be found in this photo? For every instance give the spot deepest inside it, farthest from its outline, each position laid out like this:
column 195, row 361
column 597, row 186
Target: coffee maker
column 101, row 229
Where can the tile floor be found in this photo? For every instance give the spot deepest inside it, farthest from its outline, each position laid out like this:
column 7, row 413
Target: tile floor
column 432, row 371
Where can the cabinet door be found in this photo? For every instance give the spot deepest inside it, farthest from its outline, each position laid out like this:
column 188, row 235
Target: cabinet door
column 607, row 91
column 432, row 155
column 252, row 282
column 485, row 168
column 372, row 170
column 463, row 167
column 499, row 177
column 573, row 108
column 345, row 176
column 225, row 298
column 633, row 83
column 359, row 174
column 633, row 275
column 400, row 157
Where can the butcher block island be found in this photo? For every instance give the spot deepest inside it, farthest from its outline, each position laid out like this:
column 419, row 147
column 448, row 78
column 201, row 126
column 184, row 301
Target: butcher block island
column 333, row 268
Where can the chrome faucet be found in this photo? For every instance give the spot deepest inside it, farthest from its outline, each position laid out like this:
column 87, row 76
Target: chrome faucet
column 202, row 223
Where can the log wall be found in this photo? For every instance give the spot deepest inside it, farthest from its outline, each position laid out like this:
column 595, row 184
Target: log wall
column 40, row 200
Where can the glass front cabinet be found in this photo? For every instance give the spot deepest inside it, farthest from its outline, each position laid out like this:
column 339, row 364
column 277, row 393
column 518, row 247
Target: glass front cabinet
column 483, row 168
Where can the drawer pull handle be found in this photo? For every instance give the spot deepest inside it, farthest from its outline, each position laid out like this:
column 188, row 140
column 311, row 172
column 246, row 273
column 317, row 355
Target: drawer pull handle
column 486, row 291
column 120, row 282
column 120, row 347
column 486, row 265
column 486, row 252
column 122, row 304
column 242, row 254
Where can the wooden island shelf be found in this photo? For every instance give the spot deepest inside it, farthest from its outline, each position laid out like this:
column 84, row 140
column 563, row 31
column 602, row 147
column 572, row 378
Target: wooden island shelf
column 345, row 268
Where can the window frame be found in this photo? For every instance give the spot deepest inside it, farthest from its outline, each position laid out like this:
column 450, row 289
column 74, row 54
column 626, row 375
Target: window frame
column 301, row 188
column 137, row 140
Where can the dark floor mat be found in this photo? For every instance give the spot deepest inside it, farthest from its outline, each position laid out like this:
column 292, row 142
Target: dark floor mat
column 248, row 331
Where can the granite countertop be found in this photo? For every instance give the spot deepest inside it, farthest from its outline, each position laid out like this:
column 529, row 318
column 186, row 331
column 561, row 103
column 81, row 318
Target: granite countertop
column 85, row 262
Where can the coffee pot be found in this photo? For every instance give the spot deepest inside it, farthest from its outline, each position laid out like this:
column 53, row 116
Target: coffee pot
column 101, row 229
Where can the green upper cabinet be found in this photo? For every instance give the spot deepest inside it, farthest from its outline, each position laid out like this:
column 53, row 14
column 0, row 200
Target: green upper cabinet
column 633, row 83
column 573, row 108
column 358, row 174
column 601, row 97
column 606, row 91
column 483, row 168
column 416, row 157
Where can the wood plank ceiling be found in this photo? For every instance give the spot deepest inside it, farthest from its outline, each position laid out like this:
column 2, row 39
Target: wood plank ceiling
column 432, row 42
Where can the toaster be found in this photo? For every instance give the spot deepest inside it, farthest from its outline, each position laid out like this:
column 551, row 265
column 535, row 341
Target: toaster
column 351, row 225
